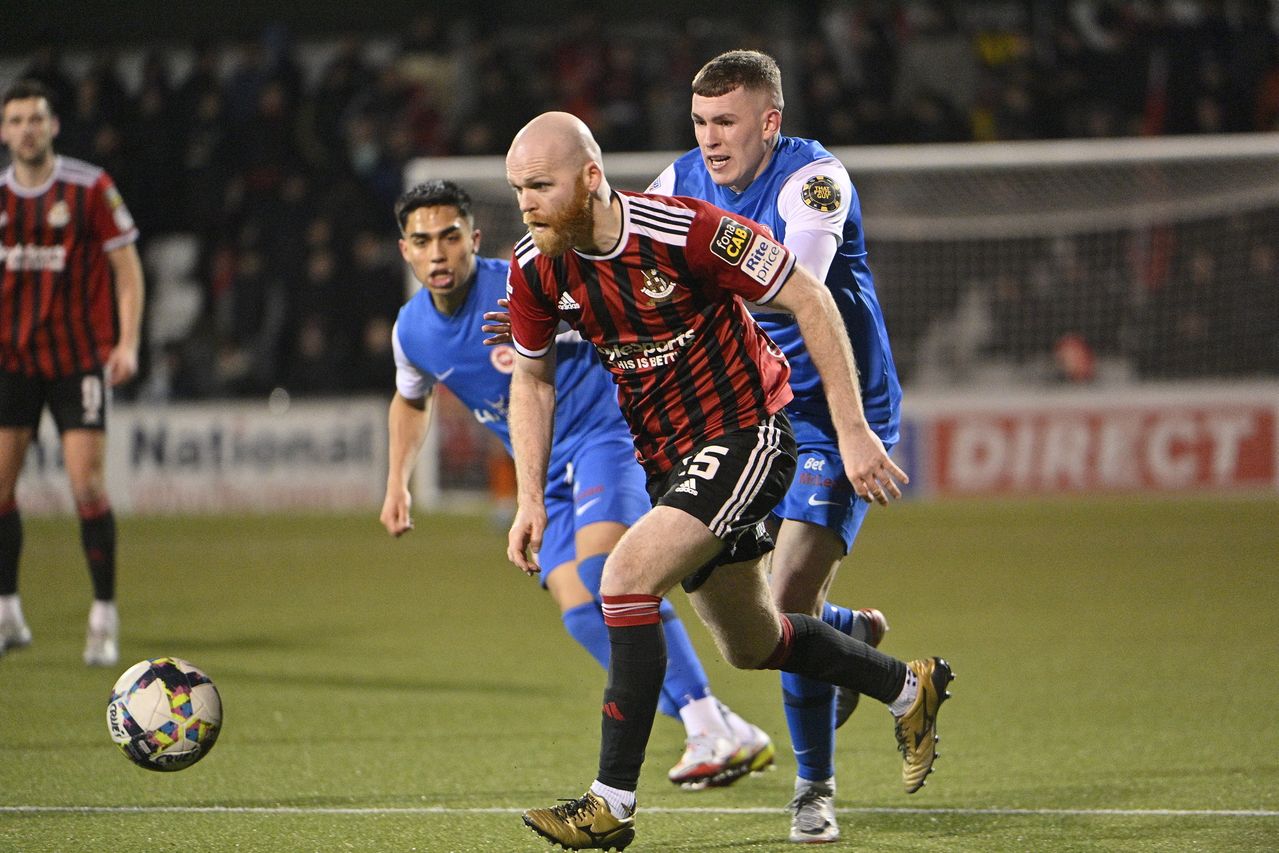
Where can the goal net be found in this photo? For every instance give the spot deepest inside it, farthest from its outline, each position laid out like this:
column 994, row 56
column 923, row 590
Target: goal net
column 1034, row 264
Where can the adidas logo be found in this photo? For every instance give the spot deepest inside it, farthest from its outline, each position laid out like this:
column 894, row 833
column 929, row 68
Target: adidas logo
column 688, row 487
column 567, row 303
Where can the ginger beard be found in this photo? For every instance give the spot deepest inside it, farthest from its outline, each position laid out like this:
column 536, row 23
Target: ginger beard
column 574, row 227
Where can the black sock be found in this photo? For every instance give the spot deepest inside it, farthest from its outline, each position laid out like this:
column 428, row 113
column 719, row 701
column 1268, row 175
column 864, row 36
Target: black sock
column 826, row 654
column 637, row 667
column 97, row 535
column 10, row 549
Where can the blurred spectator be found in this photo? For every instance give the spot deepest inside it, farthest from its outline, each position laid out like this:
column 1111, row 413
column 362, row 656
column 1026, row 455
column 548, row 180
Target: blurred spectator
column 284, row 175
column 1188, row 321
column 316, row 364
column 46, row 67
column 937, row 74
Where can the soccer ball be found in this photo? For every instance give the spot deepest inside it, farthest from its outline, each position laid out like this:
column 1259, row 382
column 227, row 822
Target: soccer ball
column 164, row 714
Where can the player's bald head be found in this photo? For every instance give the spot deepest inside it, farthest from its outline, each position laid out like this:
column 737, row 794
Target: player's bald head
column 555, row 138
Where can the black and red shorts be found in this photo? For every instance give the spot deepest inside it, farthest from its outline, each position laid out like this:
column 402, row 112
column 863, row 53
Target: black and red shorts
column 79, row 401
column 730, row 484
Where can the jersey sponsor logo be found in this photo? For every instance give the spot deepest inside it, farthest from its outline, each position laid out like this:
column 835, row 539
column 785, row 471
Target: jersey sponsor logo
column 503, row 359
column 59, row 215
column 657, row 286
column 645, row 354
column 821, row 194
column 763, row 259
column 808, row 478
column 26, row 256
column 730, row 240
column 567, row 303
column 813, row 501
column 440, row 377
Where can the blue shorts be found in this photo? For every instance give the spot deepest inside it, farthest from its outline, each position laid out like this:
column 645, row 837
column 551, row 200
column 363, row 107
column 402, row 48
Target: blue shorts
column 602, row 482
column 820, row 493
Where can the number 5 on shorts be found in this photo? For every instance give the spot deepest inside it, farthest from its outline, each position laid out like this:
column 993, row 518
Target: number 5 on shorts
column 706, row 462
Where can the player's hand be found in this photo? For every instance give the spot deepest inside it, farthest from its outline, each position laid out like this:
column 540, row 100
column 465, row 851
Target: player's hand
column 498, row 325
column 873, row 475
column 525, row 539
column 396, row 517
column 122, row 365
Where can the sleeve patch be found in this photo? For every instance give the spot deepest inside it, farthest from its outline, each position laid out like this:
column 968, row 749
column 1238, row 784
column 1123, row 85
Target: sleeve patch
column 763, row 260
column 731, row 239
column 821, row 194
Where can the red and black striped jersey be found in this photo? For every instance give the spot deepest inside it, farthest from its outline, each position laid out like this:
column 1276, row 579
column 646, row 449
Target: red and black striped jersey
column 57, row 294
column 664, row 310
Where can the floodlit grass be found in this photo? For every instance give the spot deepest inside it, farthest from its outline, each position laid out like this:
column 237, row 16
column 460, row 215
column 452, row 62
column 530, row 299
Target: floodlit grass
column 1116, row 658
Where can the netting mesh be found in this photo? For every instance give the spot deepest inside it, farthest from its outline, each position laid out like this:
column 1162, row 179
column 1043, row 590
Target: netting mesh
column 1041, row 263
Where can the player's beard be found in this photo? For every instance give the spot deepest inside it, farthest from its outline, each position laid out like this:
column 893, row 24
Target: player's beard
column 34, row 156
column 575, row 227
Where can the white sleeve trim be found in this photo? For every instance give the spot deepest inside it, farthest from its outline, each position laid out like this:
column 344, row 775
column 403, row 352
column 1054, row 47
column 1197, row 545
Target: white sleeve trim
column 814, row 250
column 532, row 353
column 799, row 217
column 120, row 241
column 412, row 383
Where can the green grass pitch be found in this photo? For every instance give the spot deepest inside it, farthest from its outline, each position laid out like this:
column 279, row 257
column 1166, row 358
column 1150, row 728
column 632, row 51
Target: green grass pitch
column 1118, row 665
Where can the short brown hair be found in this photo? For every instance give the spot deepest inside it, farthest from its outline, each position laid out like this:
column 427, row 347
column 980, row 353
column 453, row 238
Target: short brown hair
column 748, row 69
column 24, row 89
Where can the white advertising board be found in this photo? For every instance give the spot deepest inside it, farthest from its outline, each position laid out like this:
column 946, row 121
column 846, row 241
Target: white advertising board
column 226, row 457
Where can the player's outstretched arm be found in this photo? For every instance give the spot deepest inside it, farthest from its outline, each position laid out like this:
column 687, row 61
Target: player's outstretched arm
column 407, row 424
column 873, row 475
column 532, row 423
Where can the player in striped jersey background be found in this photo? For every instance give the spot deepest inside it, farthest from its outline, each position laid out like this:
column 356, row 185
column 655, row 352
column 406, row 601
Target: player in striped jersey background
column 70, row 323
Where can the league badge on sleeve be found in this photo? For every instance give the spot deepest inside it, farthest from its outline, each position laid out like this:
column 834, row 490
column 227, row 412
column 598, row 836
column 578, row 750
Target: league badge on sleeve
column 730, row 240
column 821, row 194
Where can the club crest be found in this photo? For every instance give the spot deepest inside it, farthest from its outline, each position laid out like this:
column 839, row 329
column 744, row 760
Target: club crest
column 657, row 286
column 59, row 215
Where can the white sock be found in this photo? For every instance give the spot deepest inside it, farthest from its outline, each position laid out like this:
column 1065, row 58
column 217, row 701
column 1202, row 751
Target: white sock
column 620, row 803
column 906, row 698
column 11, row 608
column 103, row 616
column 743, row 732
column 703, row 717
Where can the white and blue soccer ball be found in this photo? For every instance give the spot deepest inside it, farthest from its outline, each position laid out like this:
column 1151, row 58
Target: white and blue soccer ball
column 164, row 714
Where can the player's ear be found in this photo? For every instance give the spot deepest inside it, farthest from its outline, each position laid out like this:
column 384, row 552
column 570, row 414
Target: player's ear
column 593, row 175
column 772, row 122
column 475, row 240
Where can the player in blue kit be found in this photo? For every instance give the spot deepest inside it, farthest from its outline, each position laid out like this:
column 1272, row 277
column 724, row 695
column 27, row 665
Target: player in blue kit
column 804, row 195
column 595, row 488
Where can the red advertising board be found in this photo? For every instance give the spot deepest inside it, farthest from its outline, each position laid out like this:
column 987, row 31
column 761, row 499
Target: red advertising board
column 1156, row 447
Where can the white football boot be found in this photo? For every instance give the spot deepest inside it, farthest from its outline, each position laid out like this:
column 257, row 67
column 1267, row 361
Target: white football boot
column 813, row 812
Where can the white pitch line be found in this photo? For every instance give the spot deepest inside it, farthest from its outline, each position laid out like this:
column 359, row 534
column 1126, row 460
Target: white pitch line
column 437, row 810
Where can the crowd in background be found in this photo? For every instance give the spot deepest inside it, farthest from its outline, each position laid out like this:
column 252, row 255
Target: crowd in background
column 278, row 162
